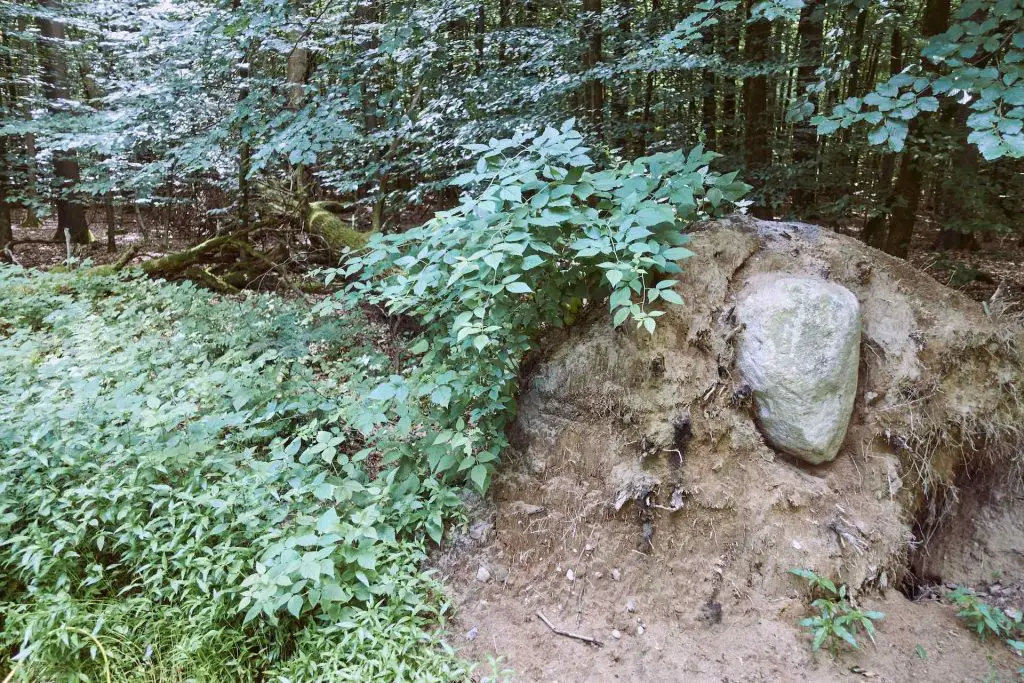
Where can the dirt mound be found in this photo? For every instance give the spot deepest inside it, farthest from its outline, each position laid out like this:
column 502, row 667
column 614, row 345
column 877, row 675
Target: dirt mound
column 641, row 505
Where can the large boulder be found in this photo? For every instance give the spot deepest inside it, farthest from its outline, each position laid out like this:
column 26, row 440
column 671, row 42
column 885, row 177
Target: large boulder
column 799, row 353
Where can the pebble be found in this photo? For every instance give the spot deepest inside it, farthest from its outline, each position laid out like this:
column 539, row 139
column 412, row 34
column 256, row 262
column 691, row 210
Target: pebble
column 482, row 575
column 479, row 531
column 616, row 574
column 631, row 605
column 500, row 573
column 570, row 575
column 598, row 575
column 471, row 634
column 616, row 635
column 588, row 548
column 640, row 630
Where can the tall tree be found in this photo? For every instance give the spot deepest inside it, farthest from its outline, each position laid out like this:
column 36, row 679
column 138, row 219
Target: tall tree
column 810, row 32
column 908, row 182
column 593, row 88
column 755, row 98
column 71, row 218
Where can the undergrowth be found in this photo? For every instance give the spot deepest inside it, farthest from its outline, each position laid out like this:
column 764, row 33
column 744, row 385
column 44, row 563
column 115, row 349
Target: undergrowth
column 182, row 493
column 837, row 620
column 985, row 620
column 210, row 490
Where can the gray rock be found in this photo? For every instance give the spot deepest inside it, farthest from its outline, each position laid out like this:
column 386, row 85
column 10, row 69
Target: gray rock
column 616, row 574
column 472, row 633
column 631, row 605
column 482, row 575
column 480, row 531
column 799, row 353
column 500, row 573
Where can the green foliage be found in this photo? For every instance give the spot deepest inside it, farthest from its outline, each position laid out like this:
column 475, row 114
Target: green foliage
column 181, row 481
column 986, row 620
column 838, row 620
column 544, row 230
column 979, row 60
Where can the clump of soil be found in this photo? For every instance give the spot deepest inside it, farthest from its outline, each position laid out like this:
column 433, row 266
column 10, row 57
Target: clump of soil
column 642, row 508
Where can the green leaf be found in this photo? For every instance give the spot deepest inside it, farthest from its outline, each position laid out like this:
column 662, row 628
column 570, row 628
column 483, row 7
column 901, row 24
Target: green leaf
column 614, row 277
column 677, row 253
column 532, row 261
column 518, row 288
column 670, row 296
column 478, row 475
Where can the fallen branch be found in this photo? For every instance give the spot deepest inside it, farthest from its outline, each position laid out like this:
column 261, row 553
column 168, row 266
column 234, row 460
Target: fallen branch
column 179, row 261
column 568, row 634
column 126, row 256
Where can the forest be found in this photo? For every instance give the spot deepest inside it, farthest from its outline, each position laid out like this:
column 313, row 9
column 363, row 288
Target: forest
column 281, row 282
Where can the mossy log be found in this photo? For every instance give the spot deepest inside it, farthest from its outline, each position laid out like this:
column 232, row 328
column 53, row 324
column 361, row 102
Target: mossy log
column 172, row 264
column 325, row 222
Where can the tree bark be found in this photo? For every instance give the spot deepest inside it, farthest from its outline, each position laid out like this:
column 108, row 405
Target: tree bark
column 593, row 88
column 6, row 104
column 755, row 97
column 709, row 101
column 876, row 228
column 908, row 183
column 70, row 209
column 478, row 39
column 810, row 32
column 296, row 73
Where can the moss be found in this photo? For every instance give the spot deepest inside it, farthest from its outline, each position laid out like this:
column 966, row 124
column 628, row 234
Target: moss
column 333, row 229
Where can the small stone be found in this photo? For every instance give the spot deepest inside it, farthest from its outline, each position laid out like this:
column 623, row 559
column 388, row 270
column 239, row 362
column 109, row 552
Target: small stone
column 796, row 545
column 616, row 635
column 570, row 575
column 640, row 630
column 482, row 575
column 528, row 509
column 480, row 531
column 598, row 575
column 500, row 573
column 471, row 634
column 588, row 548
column 616, row 574
column 631, row 605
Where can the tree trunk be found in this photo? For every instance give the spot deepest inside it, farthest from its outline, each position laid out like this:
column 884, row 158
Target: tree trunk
column 6, row 234
column 908, row 184
column 70, row 210
column 755, row 97
column 731, row 30
column 709, row 101
column 810, row 32
column 503, row 24
column 108, row 207
column 593, row 89
column 296, row 73
column 6, row 104
column 478, row 41
column 876, row 228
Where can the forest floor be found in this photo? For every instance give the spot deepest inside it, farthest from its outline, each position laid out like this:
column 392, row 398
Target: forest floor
column 999, row 260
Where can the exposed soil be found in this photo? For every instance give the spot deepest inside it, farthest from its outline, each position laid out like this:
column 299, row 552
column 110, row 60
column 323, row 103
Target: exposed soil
column 639, row 479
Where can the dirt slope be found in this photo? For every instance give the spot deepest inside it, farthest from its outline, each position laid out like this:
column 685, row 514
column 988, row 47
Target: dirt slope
column 639, row 476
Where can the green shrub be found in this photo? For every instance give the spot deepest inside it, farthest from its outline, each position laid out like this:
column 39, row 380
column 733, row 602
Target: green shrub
column 181, row 483
column 986, row 620
column 837, row 621
column 544, row 232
